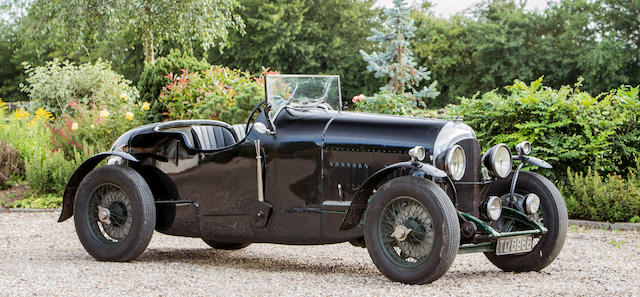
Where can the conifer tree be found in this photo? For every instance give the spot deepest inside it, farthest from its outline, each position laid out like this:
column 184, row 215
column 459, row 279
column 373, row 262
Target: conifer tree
column 397, row 61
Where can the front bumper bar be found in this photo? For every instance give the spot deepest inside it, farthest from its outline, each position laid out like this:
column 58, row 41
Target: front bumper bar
column 490, row 235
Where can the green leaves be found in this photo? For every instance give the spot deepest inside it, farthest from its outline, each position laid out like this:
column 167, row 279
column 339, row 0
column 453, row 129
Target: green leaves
column 83, row 24
column 304, row 36
column 567, row 127
column 217, row 93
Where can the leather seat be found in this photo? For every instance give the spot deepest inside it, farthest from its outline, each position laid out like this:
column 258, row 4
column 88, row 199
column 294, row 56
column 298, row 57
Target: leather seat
column 212, row 137
column 240, row 130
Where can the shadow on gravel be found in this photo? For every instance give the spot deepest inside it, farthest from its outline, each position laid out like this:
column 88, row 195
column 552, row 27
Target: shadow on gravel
column 240, row 259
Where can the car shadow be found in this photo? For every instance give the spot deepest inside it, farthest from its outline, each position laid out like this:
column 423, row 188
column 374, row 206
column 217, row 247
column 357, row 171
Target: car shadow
column 244, row 260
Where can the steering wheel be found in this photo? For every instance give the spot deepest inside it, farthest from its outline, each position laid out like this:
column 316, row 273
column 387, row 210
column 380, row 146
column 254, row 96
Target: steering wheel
column 253, row 112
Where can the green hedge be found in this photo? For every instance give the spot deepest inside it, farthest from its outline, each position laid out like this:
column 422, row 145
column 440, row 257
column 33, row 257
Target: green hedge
column 566, row 127
column 592, row 142
column 603, row 198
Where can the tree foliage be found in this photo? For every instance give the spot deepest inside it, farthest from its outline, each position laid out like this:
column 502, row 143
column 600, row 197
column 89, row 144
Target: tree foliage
column 81, row 24
column 397, row 61
column 499, row 41
column 304, row 36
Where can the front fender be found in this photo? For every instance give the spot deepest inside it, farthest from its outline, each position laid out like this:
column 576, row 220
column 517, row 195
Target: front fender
column 360, row 199
column 77, row 177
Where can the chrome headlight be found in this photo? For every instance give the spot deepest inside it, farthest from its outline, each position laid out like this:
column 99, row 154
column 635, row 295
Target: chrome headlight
column 498, row 160
column 531, row 203
column 418, row 153
column 455, row 162
column 493, row 208
column 523, row 148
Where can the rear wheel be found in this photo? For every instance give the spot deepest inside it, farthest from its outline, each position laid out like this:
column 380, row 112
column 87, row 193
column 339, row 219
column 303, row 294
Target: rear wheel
column 114, row 213
column 552, row 214
column 224, row 245
column 412, row 230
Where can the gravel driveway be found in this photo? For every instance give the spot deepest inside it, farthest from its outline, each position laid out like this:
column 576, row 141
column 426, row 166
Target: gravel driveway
column 41, row 257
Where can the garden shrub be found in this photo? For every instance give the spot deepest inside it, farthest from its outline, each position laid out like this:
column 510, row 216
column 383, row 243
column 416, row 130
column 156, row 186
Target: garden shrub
column 51, row 174
column 56, row 85
column 219, row 93
column 384, row 102
column 27, row 132
column 39, row 201
column 94, row 129
column 154, row 77
column 10, row 162
column 603, row 198
column 567, row 127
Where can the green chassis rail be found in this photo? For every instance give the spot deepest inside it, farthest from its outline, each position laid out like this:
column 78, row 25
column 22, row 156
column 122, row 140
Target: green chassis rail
column 517, row 216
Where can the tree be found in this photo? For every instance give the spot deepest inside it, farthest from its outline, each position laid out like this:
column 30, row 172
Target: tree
column 397, row 60
column 443, row 46
column 304, row 36
column 84, row 24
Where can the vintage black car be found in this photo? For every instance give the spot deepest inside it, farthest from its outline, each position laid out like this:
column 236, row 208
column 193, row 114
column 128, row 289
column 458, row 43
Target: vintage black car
column 415, row 192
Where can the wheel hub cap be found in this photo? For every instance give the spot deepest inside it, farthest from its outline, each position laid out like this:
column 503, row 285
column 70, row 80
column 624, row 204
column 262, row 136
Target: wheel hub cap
column 401, row 232
column 104, row 215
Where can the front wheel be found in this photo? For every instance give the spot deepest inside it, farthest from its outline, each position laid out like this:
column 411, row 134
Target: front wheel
column 412, row 230
column 552, row 214
column 114, row 213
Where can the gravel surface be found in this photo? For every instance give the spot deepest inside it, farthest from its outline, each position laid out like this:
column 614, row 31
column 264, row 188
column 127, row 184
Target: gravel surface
column 41, row 257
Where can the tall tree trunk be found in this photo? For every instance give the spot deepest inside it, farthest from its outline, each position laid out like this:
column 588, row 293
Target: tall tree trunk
column 149, row 55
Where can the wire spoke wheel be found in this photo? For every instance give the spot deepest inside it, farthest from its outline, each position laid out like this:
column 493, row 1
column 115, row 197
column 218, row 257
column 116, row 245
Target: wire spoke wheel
column 110, row 214
column 406, row 232
column 552, row 214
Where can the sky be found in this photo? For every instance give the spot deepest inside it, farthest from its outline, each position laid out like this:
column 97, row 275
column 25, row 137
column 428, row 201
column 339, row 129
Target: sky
column 450, row 7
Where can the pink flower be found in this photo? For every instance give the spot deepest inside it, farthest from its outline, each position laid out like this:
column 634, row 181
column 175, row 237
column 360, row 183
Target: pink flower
column 357, row 98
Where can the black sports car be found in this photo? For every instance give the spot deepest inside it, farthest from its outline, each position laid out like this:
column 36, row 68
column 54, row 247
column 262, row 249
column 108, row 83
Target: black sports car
column 415, row 192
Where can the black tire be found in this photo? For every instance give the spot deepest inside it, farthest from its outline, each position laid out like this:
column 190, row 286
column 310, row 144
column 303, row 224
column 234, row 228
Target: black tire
column 224, row 245
column 555, row 219
column 443, row 229
column 139, row 213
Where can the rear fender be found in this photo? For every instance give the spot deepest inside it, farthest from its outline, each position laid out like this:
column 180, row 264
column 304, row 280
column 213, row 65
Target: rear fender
column 77, row 177
column 360, row 200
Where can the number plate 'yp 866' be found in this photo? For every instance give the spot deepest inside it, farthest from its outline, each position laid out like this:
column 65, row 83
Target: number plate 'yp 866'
column 514, row 245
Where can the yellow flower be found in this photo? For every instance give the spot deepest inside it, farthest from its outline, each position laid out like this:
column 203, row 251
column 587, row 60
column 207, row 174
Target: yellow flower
column 21, row 114
column 43, row 115
column 123, row 96
column 146, row 106
column 74, row 126
column 3, row 105
column 128, row 115
column 104, row 114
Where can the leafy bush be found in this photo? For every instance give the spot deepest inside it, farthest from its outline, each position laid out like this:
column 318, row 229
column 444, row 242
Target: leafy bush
column 27, row 133
column 219, row 93
column 595, row 197
column 567, row 127
column 384, row 102
column 154, row 77
column 50, row 175
column 56, row 85
column 39, row 202
column 94, row 129
column 10, row 162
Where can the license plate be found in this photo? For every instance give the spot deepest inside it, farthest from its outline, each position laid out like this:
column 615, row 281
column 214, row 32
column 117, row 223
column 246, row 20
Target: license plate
column 514, row 245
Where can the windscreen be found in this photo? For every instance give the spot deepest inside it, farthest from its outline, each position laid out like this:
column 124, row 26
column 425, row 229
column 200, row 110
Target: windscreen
column 302, row 91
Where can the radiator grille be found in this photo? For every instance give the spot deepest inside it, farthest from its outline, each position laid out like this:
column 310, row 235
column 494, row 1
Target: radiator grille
column 469, row 195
